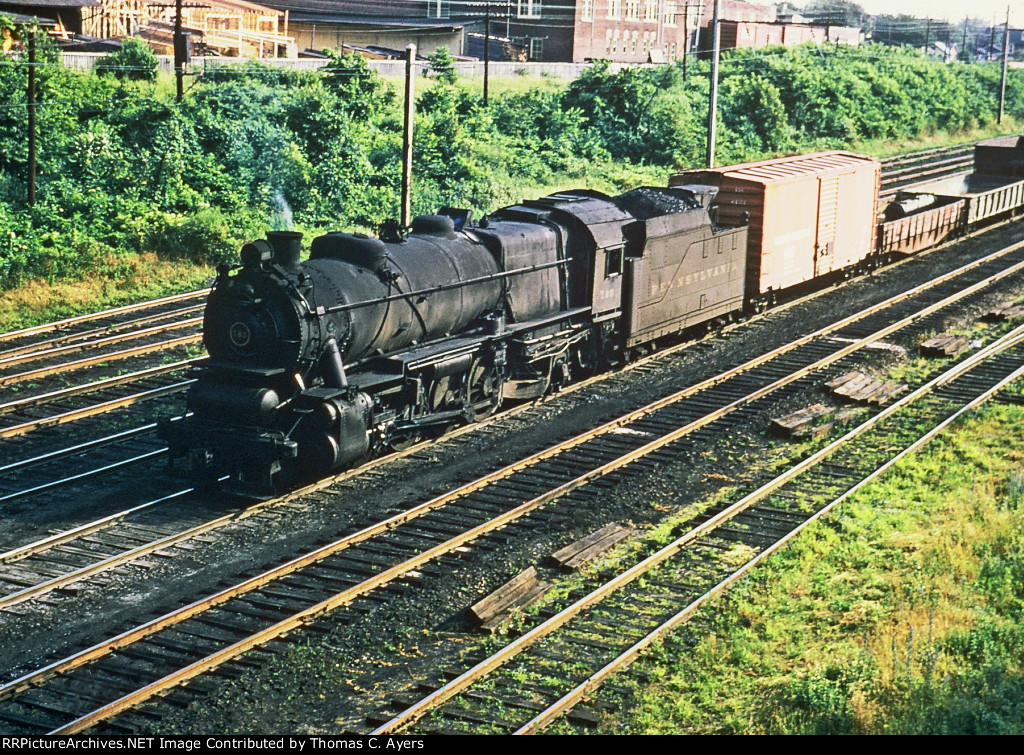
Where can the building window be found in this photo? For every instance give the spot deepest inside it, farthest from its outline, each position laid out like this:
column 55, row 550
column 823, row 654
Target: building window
column 439, row 8
column 536, row 48
column 608, row 43
column 632, row 10
column 614, row 8
column 636, row 36
column 651, row 11
column 671, row 11
column 587, row 12
column 529, row 8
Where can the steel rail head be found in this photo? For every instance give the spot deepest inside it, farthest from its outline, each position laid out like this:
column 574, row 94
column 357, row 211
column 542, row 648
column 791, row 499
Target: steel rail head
column 58, row 324
column 99, row 359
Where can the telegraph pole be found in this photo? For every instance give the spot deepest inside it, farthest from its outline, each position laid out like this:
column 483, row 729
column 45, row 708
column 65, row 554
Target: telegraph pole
column 32, row 115
column 410, row 60
column 179, row 51
column 487, row 50
column 927, row 35
column 686, row 36
column 963, row 45
column 1006, row 57
column 713, row 104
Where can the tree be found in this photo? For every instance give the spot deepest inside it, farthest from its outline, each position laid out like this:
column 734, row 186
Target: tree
column 443, row 65
column 135, row 61
column 835, row 12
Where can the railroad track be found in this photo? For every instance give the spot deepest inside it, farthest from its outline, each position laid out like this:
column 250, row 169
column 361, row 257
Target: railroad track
column 69, row 558
column 79, row 691
column 905, row 171
column 99, row 324
column 24, row 415
column 35, row 362
column 542, row 675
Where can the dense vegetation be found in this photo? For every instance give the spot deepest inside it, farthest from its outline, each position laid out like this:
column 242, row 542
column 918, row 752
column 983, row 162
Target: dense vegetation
column 124, row 169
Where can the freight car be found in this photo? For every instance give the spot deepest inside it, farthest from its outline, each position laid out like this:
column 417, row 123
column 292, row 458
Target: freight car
column 371, row 344
column 935, row 212
column 810, row 216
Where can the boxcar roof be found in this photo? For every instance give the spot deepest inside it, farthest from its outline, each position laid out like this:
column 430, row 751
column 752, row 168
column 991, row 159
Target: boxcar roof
column 796, row 167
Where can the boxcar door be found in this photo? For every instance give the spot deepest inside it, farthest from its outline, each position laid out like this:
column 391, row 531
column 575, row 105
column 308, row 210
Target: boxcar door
column 825, row 241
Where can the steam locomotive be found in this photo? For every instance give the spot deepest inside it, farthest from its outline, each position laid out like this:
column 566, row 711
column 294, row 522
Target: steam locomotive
column 372, row 344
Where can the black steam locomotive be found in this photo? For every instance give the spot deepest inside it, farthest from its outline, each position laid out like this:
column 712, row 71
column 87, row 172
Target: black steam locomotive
column 372, row 344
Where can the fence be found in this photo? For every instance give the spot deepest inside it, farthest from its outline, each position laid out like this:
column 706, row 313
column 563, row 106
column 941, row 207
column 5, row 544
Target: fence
column 85, row 61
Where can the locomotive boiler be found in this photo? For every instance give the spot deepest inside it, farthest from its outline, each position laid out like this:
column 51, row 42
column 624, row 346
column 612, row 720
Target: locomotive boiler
column 369, row 344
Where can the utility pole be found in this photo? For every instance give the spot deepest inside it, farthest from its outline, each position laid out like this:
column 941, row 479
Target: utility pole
column 32, row 115
column 410, row 59
column 928, row 36
column 487, row 50
column 963, row 45
column 1006, row 57
column 713, row 103
column 992, row 38
column 686, row 37
column 179, row 51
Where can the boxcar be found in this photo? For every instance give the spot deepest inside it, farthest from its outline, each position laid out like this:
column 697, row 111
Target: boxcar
column 809, row 215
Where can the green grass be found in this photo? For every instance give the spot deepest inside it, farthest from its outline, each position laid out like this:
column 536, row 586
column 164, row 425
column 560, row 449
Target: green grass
column 136, row 277
column 878, row 148
column 899, row 614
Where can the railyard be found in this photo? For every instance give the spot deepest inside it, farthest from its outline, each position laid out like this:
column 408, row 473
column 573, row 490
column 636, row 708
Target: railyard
column 136, row 568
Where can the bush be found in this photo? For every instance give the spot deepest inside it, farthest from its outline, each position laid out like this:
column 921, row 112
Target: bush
column 134, row 61
column 204, row 238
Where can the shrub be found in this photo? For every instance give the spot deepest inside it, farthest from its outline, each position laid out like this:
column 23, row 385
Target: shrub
column 134, row 61
column 203, row 238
